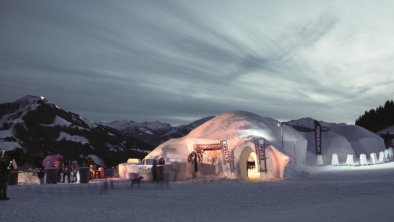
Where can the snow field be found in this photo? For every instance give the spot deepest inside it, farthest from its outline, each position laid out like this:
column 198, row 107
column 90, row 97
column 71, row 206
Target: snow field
column 327, row 195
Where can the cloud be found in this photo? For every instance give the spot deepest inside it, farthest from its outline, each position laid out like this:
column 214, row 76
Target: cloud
column 177, row 61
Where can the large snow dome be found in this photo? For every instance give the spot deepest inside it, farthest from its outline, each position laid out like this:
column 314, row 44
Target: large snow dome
column 289, row 146
column 340, row 138
column 285, row 148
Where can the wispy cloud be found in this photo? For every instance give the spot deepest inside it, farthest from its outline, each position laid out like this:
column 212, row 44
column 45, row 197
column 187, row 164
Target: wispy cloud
column 175, row 60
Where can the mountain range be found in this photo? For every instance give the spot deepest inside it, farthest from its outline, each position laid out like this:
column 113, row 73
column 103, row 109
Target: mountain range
column 154, row 133
column 32, row 127
column 308, row 124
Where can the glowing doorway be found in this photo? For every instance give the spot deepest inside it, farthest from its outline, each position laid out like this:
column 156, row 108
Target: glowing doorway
column 248, row 164
column 252, row 167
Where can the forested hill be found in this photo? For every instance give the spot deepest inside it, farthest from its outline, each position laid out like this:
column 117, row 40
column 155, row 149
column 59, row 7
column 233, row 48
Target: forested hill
column 378, row 118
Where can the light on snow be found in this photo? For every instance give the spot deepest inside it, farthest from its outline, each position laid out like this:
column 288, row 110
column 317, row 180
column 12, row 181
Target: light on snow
column 253, row 132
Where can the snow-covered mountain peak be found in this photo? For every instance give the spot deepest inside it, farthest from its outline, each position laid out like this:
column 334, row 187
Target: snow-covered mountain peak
column 155, row 132
column 126, row 124
column 29, row 102
column 157, row 125
column 308, row 124
column 13, row 112
column 30, row 99
column 120, row 124
column 36, row 125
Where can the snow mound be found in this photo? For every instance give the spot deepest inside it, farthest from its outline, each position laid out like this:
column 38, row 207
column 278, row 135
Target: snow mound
column 239, row 129
column 231, row 124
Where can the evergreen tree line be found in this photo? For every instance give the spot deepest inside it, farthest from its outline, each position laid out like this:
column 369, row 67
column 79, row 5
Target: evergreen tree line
column 378, row 118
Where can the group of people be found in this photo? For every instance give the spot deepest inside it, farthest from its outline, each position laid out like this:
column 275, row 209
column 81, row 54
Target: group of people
column 158, row 170
column 67, row 170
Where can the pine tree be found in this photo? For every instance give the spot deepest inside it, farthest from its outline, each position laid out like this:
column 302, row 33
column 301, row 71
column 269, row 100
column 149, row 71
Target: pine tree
column 378, row 118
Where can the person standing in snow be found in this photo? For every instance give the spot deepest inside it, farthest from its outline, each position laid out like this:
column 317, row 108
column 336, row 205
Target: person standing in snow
column 59, row 166
column 6, row 167
column 167, row 171
column 154, row 170
column 66, row 172
column 159, row 170
column 41, row 175
column 74, row 171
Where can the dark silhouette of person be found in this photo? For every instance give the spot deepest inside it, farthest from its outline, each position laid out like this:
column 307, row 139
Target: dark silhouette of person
column 59, row 166
column 41, row 175
column 160, row 170
column 74, row 171
column 5, row 169
column 154, row 170
column 66, row 172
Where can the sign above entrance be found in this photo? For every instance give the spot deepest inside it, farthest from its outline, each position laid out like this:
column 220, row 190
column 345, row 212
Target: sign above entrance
column 228, row 159
column 207, row 147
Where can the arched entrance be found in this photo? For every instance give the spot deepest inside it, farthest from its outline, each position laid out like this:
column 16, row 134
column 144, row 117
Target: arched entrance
column 248, row 164
column 276, row 163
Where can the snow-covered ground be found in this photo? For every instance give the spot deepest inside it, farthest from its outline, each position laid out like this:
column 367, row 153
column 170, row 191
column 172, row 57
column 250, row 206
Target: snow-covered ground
column 328, row 194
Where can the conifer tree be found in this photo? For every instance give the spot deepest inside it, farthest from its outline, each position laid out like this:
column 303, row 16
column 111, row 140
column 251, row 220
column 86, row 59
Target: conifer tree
column 379, row 118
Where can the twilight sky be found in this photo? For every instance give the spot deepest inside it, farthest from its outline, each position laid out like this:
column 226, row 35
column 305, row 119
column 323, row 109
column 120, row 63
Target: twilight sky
column 178, row 61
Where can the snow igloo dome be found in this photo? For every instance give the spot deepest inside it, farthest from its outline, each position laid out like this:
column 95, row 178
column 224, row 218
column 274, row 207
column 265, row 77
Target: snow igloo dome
column 340, row 139
column 238, row 145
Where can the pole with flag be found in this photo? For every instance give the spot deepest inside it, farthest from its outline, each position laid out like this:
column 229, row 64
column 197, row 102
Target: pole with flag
column 318, row 143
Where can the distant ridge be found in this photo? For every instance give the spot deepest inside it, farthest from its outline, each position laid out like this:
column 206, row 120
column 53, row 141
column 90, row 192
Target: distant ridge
column 32, row 127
